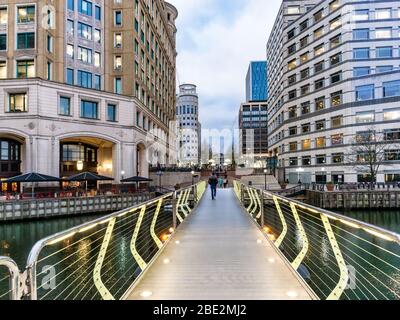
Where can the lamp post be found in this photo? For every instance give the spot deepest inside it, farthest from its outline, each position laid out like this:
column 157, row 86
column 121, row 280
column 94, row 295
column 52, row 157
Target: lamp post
column 265, row 176
column 122, row 174
column 193, row 173
column 159, row 173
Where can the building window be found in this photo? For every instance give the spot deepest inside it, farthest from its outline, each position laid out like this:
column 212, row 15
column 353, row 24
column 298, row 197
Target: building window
column 335, row 23
column 319, row 84
column 305, row 108
column 117, row 18
column 384, row 52
column 97, row 36
column 84, row 31
column 391, row 115
column 70, row 76
column 70, row 27
column 306, row 128
column 293, row 162
column 85, row 55
column 97, row 82
column 321, row 159
column 118, row 40
column 334, row 5
column 306, row 144
column 292, row 79
column 320, row 125
column 70, row 51
column 3, row 16
column 361, row 71
column 3, row 42
column 97, row 59
column 380, row 69
column 319, row 50
column 89, row 109
column 304, row 73
column 306, row 161
column 118, row 63
column 336, row 77
column 3, row 70
column 293, row 146
column 111, row 112
column 303, row 42
column 65, row 106
column 318, row 67
column 71, row 5
column 25, row 69
column 366, row 92
column 318, row 16
column 97, row 13
column 383, row 33
column 84, row 79
column 335, row 59
column 26, row 40
column 26, row 14
column 319, row 103
column 361, row 53
column 303, row 25
column 49, row 70
column 385, row 13
column 361, row 34
column 85, row 7
column 336, row 122
column 118, row 85
column 292, row 64
column 292, row 112
column 391, row 89
column 304, row 58
column 336, row 98
column 361, row 15
column 18, row 102
column 337, row 139
column 335, row 41
column 337, row 158
column 365, row 117
column 318, row 33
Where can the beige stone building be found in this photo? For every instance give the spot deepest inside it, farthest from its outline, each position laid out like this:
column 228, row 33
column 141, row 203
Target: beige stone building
column 86, row 83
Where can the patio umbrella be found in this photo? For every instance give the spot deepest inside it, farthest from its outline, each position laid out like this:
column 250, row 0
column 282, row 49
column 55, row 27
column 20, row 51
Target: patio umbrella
column 88, row 176
column 137, row 180
column 33, row 177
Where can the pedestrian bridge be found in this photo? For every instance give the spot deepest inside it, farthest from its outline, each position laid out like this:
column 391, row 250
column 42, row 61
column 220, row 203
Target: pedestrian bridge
column 246, row 245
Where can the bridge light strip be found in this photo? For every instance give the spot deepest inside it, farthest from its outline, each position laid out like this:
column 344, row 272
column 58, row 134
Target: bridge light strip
column 69, row 235
column 153, row 225
column 344, row 274
column 104, row 292
column 142, row 264
column 279, row 241
column 299, row 259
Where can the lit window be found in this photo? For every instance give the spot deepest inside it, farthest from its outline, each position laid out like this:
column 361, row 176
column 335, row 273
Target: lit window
column 383, row 33
column 365, row 117
column 3, row 16
column 26, row 14
column 18, row 102
column 391, row 115
column 383, row 13
column 25, row 69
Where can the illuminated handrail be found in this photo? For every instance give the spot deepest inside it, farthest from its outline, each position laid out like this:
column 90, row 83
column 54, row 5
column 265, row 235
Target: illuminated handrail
column 101, row 259
column 12, row 277
column 339, row 257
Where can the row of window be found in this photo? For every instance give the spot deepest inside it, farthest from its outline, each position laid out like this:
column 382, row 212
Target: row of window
column 85, row 7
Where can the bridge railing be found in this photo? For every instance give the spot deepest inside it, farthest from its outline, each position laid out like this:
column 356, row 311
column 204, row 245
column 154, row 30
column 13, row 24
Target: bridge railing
column 338, row 257
column 9, row 279
column 103, row 258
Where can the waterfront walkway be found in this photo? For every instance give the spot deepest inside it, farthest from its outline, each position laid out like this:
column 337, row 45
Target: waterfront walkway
column 219, row 253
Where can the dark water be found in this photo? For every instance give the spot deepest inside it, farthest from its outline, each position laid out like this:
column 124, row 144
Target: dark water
column 17, row 239
column 387, row 219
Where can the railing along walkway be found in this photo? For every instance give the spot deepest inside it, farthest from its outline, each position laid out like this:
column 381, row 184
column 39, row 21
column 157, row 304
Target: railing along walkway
column 219, row 253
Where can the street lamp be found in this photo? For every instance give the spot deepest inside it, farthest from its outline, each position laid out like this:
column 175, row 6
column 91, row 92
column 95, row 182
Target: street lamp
column 79, row 165
column 299, row 172
column 122, row 174
column 193, row 173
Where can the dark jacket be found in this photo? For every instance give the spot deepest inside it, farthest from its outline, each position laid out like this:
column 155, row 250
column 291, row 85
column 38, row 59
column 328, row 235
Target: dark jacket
column 213, row 181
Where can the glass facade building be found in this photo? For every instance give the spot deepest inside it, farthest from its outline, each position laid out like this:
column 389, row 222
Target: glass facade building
column 256, row 82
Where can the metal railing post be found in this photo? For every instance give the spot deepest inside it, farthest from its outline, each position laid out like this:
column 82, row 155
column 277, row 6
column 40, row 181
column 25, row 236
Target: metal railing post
column 174, row 209
column 14, row 274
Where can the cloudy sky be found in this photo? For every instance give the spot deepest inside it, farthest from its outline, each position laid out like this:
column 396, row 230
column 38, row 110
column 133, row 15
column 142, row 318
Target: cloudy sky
column 216, row 41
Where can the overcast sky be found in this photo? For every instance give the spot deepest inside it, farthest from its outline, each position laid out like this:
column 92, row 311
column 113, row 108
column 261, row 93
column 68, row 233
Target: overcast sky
column 216, row 41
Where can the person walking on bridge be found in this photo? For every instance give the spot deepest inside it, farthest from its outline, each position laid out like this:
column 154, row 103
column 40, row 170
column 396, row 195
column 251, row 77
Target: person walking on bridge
column 213, row 182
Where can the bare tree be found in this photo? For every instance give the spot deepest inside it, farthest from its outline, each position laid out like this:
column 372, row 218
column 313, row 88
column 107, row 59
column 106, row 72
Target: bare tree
column 369, row 152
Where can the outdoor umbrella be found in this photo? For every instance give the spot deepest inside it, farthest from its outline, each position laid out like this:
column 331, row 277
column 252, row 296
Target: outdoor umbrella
column 137, row 180
column 32, row 178
column 88, row 176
